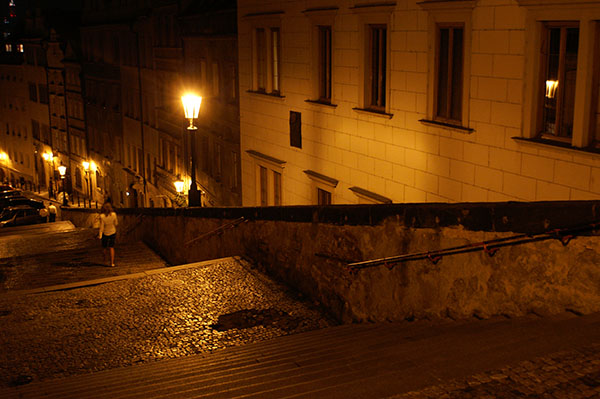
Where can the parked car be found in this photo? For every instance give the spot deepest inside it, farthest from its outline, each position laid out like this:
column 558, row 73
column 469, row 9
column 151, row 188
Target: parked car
column 6, row 187
column 15, row 201
column 20, row 215
column 10, row 193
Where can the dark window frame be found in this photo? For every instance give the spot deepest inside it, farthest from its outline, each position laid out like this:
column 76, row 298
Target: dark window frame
column 448, row 96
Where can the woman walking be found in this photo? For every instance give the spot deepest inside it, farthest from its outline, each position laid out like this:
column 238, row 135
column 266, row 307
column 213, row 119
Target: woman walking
column 108, row 231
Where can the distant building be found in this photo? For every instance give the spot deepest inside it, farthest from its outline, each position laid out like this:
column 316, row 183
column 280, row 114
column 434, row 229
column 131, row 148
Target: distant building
column 209, row 32
column 133, row 82
column 419, row 101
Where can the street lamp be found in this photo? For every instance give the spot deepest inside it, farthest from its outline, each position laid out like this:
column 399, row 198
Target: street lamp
column 191, row 107
column 49, row 157
column 179, row 187
column 86, row 168
column 62, row 169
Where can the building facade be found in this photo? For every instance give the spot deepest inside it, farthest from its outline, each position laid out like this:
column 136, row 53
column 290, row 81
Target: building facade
column 418, row 101
column 209, row 32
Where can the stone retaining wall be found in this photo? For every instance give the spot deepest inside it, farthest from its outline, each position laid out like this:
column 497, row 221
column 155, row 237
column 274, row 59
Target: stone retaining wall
column 308, row 248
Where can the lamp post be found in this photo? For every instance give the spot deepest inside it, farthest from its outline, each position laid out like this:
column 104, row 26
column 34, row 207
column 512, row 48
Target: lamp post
column 62, row 169
column 86, row 168
column 191, row 107
column 49, row 157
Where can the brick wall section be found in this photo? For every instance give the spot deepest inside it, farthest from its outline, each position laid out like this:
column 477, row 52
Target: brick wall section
column 307, row 248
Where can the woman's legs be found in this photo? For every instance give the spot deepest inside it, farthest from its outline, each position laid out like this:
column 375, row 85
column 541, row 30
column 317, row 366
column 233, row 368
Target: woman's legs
column 112, row 256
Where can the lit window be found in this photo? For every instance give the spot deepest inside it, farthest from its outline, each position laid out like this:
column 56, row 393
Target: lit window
column 559, row 68
column 20, row 48
column 8, row 47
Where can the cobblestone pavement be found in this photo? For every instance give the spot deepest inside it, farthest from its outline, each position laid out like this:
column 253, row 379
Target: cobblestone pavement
column 164, row 315
column 568, row 374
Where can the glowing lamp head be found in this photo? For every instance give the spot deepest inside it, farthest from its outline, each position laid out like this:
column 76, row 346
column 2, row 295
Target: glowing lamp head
column 3, row 156
column 179, row 186
column 93, row 166
column 191, row 106
column 86, row 165
column 47, row 156
column 62, row 169
column 551, row 86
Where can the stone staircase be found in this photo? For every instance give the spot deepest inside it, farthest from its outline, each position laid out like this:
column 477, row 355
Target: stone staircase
column 350, row 361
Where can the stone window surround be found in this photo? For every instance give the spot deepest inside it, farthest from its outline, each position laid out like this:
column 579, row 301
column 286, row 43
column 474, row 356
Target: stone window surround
column 373, row 14
column 587, row 14
column 369, row 196
column 266, row 20
column 322, row 182
column 323, row 16
column 444, row 12
column 272, row 164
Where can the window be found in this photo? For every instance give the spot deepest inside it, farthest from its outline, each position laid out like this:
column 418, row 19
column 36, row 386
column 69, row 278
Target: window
column 32, row 92
column 269, row 173
column 276, row 188
column 561, row 106
column 322, row 186
column 218, row 169
column 35, row 129
column 325, row 64
column 449, row 66
column 266, row 56
column 450, row 58
column 323, row 197
column 43, row 91
column 261, row 62
column 275, row 62
column 263, row 186
column 374, row 22
column 215, row 79
column 8, row 47
column 20, row 48
column 377, row 71
column 295, row 129
column 559, row 68
column 235, row 165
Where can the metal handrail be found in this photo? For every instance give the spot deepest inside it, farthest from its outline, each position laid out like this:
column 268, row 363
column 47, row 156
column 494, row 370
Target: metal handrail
column 219, row 229
column 135, row 224
column 564, row 235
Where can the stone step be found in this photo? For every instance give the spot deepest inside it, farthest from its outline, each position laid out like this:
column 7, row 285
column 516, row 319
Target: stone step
column 353, row 361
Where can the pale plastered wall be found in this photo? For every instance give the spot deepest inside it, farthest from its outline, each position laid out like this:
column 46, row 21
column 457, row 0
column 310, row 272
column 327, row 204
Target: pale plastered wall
column 401, row 158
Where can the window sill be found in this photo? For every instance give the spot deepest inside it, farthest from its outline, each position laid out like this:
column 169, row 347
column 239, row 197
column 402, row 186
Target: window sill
column 560, row 145
column 317, row 102
column 373, row 112
column 262, row 93
column 456, row 128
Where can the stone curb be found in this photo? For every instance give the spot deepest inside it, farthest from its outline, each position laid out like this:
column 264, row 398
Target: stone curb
column 89, row 283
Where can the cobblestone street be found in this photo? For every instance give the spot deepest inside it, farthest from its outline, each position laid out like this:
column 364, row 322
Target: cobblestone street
column 70, row 325
column 567, row 374
column 166, row 315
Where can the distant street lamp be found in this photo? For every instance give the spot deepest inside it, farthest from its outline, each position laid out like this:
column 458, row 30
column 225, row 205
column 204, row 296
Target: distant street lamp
column 179, row 186
column 62, row 169
column 86, row 168
column 49, row 157
column 191, row 107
